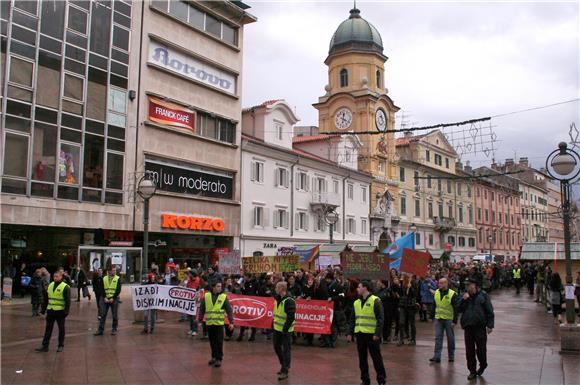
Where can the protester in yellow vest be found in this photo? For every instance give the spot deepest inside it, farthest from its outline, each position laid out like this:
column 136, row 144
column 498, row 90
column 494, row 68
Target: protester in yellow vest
column 367, row 327
column 283, row 325
column 112, row 286
column 517, row 275
column 213, row 306
column 56, row 305
column 445, row 319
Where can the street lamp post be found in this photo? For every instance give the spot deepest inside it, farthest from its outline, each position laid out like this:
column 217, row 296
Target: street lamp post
column 562, row 165
column 146, row 190
column 330, row 217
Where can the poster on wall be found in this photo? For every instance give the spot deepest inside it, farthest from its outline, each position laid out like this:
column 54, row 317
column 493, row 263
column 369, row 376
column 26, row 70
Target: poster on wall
column 95, row 259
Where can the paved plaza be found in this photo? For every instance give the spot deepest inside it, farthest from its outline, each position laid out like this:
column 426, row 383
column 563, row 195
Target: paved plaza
column 523, row 349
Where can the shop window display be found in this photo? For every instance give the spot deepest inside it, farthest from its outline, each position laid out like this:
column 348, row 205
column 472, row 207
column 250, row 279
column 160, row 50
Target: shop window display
column 68, row 164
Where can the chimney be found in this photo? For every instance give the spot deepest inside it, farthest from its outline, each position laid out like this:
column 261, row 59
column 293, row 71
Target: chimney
column 524, row 162
column 509, row 162
column 458, row 165
column 467, row 167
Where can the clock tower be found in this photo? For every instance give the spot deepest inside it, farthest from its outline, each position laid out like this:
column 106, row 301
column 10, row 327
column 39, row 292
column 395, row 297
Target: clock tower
column 356, row 100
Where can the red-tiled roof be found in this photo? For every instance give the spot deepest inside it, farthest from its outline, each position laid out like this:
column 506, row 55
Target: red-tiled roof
column 313, row 138
column 266, row 104
column 405, row 141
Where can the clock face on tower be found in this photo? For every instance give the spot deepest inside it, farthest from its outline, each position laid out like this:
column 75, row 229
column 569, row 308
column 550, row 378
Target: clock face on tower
column 343, row 118
column 381, row 119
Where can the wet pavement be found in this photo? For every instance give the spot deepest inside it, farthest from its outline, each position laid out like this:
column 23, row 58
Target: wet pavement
column 523, row 349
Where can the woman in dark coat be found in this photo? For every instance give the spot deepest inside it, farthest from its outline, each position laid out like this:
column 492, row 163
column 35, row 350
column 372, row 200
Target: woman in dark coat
column 37, row 288
column 82, row 282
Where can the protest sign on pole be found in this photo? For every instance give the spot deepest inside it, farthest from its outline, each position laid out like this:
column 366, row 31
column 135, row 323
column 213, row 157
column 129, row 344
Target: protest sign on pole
column 275, row 264
column 364, row 265
column 164, row 297
column 313, row 316
column 415, row 262
column 229, row 263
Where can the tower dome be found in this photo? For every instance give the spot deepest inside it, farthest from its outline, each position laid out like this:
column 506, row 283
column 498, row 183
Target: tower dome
column 356, row 33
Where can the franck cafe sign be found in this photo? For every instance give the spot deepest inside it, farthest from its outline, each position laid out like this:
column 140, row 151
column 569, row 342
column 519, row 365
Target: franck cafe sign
column 194, row 69
column 171, row 114
column 192, row 180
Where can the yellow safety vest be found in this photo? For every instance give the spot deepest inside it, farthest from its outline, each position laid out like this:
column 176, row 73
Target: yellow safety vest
column 280, row 316
column 110, row 286
column 443, row 307
column 517, row 273
column 366, row 322
column 56, row 296
column 214, row 312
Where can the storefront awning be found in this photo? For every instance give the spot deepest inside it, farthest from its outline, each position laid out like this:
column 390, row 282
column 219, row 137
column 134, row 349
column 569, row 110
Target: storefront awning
column 539, row 251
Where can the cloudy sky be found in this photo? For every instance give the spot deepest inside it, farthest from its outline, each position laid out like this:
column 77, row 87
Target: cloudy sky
column 448, row 61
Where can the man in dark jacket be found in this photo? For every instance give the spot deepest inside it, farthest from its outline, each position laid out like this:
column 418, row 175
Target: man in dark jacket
column 477, row 320
column 367, row 326
column 250, row 288
column 283, row 325
column 99, row 290
column 112, row 288
column 335, row 294
column 56, row 305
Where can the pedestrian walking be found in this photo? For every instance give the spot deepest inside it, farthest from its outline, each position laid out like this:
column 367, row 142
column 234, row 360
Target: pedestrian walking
column 445, row 318
column 98, row 290
column 56, row 305
column 149, row 315
column 82, row 282
column 517, row 276
column 477, row 320
column 283, row 325
column 556, row 289
column 367, row 327
column 37, row 289
column 212, row 306
column 112, row 287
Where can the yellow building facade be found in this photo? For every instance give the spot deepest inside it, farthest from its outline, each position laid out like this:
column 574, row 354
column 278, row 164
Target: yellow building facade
column 356, row 101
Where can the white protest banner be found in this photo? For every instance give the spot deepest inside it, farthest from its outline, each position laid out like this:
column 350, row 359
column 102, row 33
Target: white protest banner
column 230, row 262
column 165, row 297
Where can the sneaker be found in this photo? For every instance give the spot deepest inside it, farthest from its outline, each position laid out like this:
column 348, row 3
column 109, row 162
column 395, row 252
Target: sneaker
column 41, row 349
column 217, row 364
column 481, row 370
column 211, row 362
column 435, row 360
column 113, row 332
column 144, row 331
column 282, row 376
column 99, row 333
column 472, row 376
column 193, row 334
column 412, row 342
column 59, row 349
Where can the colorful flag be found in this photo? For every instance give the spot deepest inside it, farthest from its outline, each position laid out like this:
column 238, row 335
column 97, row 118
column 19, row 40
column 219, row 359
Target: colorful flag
column 395, row 251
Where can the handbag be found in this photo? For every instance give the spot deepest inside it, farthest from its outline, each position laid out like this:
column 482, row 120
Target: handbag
column 85, row 291
column 25, row 280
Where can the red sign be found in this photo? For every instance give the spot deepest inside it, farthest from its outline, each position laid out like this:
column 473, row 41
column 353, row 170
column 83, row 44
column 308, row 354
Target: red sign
column 415, row 262
column 171, row 114
column 258, row 312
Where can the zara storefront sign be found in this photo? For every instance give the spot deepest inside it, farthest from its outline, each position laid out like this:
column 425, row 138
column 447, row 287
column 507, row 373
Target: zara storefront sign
column 190, row 181
column 185, row 65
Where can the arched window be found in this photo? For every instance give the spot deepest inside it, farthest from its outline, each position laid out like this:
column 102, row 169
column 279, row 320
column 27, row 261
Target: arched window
column 343, row 77
column 379, row 85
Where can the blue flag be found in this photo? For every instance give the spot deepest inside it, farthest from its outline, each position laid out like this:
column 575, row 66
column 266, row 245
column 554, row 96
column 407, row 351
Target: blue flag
column 395, row 251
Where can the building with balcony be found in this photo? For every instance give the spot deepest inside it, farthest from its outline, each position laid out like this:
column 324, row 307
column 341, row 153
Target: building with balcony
column 497, row 219
column 434, row 196
column 291, row 182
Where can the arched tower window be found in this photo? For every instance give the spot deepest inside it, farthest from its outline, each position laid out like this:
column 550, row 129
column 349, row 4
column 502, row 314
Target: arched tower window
column 343, row 77
column 379, row 84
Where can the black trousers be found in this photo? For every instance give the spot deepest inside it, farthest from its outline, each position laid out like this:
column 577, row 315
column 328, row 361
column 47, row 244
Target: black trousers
column 51, row 317
column 282, row 347
column 475, row 345
column 365, row 345
column 243, row 331
column 518, row 284
column 391, row 316
column 216, row 341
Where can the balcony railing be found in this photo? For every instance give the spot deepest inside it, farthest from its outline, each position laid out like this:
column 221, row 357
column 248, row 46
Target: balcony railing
column 444, row 224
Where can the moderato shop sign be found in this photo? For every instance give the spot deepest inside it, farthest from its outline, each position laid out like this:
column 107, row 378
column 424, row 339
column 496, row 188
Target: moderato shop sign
column 171, row 114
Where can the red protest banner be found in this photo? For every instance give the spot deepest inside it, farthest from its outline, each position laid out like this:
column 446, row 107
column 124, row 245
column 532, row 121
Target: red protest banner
column 415, row 262
column 311, row 316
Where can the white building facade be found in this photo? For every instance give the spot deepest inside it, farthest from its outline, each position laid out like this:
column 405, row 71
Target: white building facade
column 286, row 190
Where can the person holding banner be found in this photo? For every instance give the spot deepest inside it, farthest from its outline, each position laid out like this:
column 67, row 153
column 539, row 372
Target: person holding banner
column 212, row 307
column 445, row 319
column 367, row 327
column 283, row 325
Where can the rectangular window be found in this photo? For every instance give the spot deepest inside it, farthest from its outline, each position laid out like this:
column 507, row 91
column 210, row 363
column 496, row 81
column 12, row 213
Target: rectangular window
column 492, row 216
column 469, row 191
column 44, row 152
column 417, row 238
column 335, row 186
column 196, row 18
column 458, row 186
column 417, row 208
column 213, row 26
column 48, row 79
column 416, row 178
column 115, row 171
column 94, row 153
column 479, row 214
column 73, row 87
column 281, row 219
column 471, row 242
column 257, row 172
column 439, row 185
column 403, row 206
column 470, row 214
column 460, row 212
column 77, row 20
column 461, row 241
column 282, row 179
column 117, row 107
column 97, row 94
column 52, row 16
column 230, row 34
column 429, row 181
column 446, row 162
column 363, row 226
column 350, row 191
column 279, row 128
column 438, row 160
column 430, row 209
column 402, row 174
column 381, row 166
column 363, row 191
column 15, row 155
column 428, row 156
column 440, row 210
column 21, row 71
column 100, row 29
column 486, row 215
column 258, row 216
column 430, row 239
column 351, row 226
column 302, row 181
column 449, row 189
column 68, row 164
column 450, row 211
column 302, row 221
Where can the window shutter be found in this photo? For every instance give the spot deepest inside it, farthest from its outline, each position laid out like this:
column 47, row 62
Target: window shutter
column 276, row 218
column 260, row 175
column 297, row 181
column 286, row 220
column 265, row 217
column 253, row 171
column 254, row 216
column 276, row 176
column 306, row 221
column 297, row 221
column 307, row 178
column 286, row 178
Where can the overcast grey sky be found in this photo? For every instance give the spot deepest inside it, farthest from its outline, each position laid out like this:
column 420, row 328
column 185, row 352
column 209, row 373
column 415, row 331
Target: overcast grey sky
column 448, row 61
